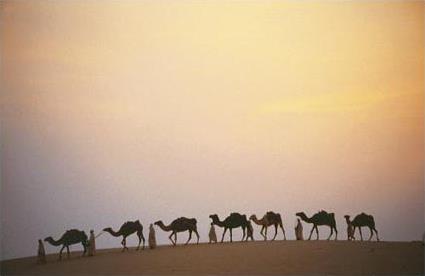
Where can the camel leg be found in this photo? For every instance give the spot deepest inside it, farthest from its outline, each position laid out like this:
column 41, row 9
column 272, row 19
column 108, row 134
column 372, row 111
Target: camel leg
column 243, row 231
column 265, row 232
column 197, row 236
column 262, row 232
column 231, row 239
column 67, row 251
column 170, row 237
column 85, row 249
column 190, row 236
column 371, row 233
column 361, row 236
column 332, row 231
column 224, row 232
column 376, row 232
column 311, row 232
column 175, row 238
column 317, row 232
column 143, row 240
column 283, row 231
column 336, row 233
column 124, row 242
column 60, row 252
column 275, row 232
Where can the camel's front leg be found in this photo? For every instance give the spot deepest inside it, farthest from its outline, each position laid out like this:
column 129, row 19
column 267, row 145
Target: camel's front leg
column 67, row 251
column 231, row 239
column 197, row 236
column 224, row 232
column 311, row 232
column 275, row 232
column 332, row 231
column 376, row 232
column 317, row 232
column 243, row 236
column 361, row 236
column 60, row 252
column 85, row 249
column 265, row 232
column 336, row 233
column 190, row 236
column 371, row 233
column 170, row 237
column 262, row 232
column 175, row 238
column 283, row 231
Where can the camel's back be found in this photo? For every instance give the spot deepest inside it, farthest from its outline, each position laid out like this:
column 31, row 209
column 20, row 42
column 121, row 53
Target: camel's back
column 74, row 236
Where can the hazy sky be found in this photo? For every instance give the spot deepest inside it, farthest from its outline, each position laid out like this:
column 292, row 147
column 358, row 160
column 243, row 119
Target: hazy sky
column 114, row 111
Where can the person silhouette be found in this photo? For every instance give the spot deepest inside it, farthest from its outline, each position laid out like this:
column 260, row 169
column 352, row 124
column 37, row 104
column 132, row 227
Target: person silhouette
column 299, row 231
column 212, row 235
column 152, row 237
column 92, row 244
column 41, row 255
column 249, row 232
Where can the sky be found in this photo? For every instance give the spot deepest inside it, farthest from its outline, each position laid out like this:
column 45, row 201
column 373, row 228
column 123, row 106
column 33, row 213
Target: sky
column 123, row 110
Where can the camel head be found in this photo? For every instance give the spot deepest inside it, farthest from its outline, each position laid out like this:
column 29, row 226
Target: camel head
column 253, row 217
column 107, row 229
column 159, row 222
column 48, row 239
column 347, row 217
column 300, row 214
column 214, row 216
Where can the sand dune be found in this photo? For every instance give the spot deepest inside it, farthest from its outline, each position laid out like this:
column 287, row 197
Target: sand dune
column 251, row 258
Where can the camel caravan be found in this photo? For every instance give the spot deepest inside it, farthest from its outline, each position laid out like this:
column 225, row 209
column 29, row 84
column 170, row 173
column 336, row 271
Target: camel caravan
column 234, row 220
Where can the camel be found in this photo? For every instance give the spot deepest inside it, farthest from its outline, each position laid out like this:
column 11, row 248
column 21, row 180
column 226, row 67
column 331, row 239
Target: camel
column 234, row 220
column 181, row 224
column 70, row 237
column 269, row 219
column 127, row 229
column 363, row 220
column 320, row 218
column 350, row 229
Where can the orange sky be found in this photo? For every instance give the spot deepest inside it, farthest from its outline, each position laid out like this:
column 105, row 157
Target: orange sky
column 160, row 109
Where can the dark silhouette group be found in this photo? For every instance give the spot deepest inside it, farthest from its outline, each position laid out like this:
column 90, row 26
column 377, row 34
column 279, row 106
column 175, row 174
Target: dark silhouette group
column 234, row 220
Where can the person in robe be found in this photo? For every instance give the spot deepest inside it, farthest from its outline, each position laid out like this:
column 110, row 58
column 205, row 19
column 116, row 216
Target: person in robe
column 299, row 231
column 152, row 237
column 41, row 255
column 212, row 235
column 92, row 244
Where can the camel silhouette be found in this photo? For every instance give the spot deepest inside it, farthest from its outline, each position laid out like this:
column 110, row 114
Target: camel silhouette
column 363, row 220
column 70, row 237
column 234, row 220
column 320, row 218
column 127, row 229
column 181, row 224
column 269, row 219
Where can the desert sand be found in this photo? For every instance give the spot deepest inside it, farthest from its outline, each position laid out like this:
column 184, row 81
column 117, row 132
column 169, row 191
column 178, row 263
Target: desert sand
column 247, row 258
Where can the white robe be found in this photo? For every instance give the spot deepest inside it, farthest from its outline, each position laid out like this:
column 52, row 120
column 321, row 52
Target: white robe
column 41, row 254
column 152, row 237
column 92, row 245
column 212, row 235
column 299, row 231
